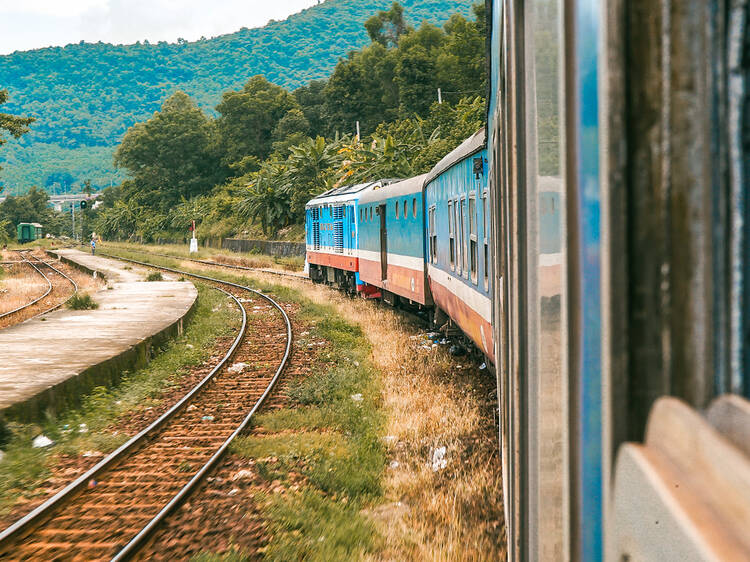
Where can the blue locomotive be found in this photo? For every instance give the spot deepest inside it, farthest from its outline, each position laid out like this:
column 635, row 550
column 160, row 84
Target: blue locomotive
column 593, row 242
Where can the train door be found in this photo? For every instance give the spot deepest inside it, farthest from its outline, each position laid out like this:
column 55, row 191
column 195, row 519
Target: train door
column 383, row 243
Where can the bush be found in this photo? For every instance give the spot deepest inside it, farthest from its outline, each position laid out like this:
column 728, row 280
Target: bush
column 155, row 276
column 82, row 301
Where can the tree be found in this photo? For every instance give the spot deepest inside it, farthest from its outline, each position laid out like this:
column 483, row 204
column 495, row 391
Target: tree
column 248, row 118
column 415, row 76
column 291, row 129
column 387, row 27
column 14, row 125
column 172, row 155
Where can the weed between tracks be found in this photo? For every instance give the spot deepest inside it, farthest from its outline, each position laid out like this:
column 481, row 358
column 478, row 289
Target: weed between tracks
column 368, row 486
column 87, row 432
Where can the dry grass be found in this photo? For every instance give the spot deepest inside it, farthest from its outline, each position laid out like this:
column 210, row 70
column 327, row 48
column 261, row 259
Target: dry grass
column 431, row 400
column 295, row 263
column 20, row 285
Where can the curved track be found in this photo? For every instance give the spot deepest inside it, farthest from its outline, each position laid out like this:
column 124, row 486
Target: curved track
column 293, row 275
column 37, row 265
column 110, row 511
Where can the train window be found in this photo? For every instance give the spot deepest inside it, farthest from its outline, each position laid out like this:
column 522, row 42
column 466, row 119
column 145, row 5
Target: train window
column 370, row 213
column 414, row 207
column 473, row 243
column 406, row 210
column 486, row 243
column 396, row 209
column 433, row 235
column 451, row 235
column 545, row 337
column 462, row 238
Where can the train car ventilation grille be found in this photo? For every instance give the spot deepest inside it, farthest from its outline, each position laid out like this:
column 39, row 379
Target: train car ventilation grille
column 316, row 227
column 338, row 237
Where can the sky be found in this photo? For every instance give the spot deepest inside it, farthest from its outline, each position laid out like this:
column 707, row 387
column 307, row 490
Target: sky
column 32, row 24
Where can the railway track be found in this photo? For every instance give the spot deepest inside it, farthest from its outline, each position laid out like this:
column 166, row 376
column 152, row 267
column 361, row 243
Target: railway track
column 52, row 288
column 111, row 511
column 293, row 275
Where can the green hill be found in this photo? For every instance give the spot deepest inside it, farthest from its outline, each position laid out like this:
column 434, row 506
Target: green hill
column 85, row 96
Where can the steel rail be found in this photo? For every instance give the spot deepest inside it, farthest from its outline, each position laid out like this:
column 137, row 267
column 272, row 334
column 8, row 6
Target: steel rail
column 36, row 516
column 66, row 276
column 227, row 265
column 27, row 305
column 132, row 547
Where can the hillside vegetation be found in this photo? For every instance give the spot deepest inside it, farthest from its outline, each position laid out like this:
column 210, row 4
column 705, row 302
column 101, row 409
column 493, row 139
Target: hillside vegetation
column 254, row 166
column 86, row 96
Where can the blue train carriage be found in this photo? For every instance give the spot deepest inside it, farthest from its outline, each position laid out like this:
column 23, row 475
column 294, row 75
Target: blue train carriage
column 391, row 243
column 458, row 241
column 331, row 233
column 29, row 231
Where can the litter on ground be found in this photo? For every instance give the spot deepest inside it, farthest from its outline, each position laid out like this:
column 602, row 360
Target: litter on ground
column 438, row 459
column 41, row 441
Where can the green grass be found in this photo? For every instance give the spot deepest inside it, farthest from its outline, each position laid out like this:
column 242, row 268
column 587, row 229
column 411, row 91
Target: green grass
column 24, row 467
column 82, row 301
column 336, row 441
column 154, row 276
column 292, row 263
column 336, row 447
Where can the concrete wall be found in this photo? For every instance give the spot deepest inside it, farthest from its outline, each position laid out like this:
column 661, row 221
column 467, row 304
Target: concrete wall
column 269, row 247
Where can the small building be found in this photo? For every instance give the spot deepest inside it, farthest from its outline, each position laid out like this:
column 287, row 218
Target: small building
column 29, row 231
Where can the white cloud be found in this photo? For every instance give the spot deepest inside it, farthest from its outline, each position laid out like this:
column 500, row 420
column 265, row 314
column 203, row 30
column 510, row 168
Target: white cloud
column 41, row 23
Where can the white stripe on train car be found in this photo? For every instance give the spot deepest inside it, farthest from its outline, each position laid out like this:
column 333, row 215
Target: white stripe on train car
column 331, row 250
column 546, row 260
column 409, row 262
column 479, row 303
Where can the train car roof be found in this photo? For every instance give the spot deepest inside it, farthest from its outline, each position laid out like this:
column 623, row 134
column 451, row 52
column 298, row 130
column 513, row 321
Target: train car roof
column 396, row 189
column 346, row 193
column 473, row 144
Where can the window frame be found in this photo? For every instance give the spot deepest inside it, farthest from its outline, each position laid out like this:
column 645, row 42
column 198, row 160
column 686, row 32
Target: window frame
column 485, row 207
column 452, row 235
column 432, row 233
column 463, row 245
column 473, row 239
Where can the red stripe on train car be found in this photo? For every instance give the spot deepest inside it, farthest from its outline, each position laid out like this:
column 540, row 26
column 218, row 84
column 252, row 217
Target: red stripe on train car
column 338, row 261
column 399, row 280
column 469, row 320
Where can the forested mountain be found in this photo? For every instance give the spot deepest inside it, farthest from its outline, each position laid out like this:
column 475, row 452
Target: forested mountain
column 85, row 96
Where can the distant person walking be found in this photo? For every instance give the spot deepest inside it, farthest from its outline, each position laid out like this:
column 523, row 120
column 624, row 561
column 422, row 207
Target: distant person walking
column 93, row 246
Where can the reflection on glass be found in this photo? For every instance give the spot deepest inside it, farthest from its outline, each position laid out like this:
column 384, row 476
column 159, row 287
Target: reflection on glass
column 547, row 252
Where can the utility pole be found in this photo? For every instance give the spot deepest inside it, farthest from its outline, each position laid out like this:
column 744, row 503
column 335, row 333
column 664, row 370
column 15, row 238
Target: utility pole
column 440, row 96
column 73, row 217
column 358, row 137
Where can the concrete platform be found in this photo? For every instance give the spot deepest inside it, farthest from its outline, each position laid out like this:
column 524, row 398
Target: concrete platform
column 48, row 364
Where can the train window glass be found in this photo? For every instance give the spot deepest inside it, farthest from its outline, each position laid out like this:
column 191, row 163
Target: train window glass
column 406, row 210
column 545, row 332
column 486, row 261
column 414, row 207
column 370, row 213
column 433, row 235
column 396, row 209
column 473, row 243
column 462, row 238
column 451, row 235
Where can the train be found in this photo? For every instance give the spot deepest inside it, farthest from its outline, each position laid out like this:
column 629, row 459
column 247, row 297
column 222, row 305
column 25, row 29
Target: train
column 28, row 232
column 593, row 241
